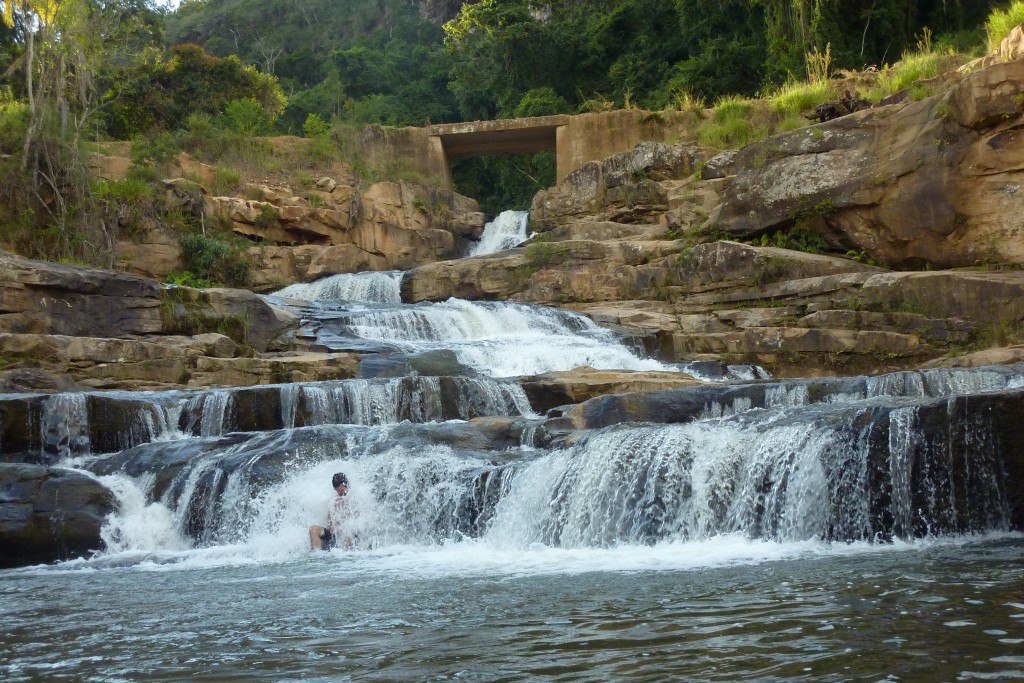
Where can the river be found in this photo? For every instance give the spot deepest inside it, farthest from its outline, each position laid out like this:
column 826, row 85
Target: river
column 857, row 529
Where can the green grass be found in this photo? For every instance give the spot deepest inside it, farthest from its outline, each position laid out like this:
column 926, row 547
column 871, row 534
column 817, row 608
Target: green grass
column 731, row 125
column 796, row 97
column 913, row 67
column 1001, row 22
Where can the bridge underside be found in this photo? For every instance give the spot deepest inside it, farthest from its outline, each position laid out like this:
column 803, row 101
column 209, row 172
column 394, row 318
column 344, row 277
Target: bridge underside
column 478, row 143
column 576, row 140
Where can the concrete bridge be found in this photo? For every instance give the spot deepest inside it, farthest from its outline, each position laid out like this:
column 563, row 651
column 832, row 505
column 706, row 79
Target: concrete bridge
column 575, row 140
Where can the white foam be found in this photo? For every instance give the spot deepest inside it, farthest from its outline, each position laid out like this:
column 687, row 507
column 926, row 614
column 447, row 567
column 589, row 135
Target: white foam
column 378, row 287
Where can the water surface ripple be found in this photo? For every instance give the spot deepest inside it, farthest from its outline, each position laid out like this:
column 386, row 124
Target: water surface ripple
column 941, row 610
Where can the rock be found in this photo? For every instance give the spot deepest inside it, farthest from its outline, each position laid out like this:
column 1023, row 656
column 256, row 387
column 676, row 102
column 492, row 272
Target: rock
column 49, row 514
column 933, row 181
column 389, row 226
column 262, row 322
column 997, row 356
column 153, row 254
column 847, row 104
column 581, row 384
column 109, row 167
column 41, row 297
column 1012, row 46
column 603, row 190
column 34, row 380
column 326, row 184
column 273, row 369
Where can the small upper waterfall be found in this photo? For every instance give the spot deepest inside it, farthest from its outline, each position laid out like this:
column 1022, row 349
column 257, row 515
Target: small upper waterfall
column 379, row 287
column 504, row 232
column 501, row 339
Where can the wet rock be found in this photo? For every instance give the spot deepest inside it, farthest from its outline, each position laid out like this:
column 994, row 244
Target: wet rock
column 49, row 514
column 554, row 389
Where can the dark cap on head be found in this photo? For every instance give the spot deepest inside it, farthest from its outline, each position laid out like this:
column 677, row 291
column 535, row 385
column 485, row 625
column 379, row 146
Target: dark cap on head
column 339, row 479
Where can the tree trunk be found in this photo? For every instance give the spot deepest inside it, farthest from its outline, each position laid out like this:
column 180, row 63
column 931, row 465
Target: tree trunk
column 29, row 67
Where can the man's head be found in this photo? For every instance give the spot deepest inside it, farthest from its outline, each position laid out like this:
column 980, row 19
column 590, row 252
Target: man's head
column 339, row 479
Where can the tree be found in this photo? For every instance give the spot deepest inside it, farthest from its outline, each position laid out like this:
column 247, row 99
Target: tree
column 162, row 94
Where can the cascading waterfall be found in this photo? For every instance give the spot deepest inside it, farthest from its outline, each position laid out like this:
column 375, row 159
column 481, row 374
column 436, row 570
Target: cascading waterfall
column 504, row 232
column 499, row 339
column 378, row 287
column 76, row 425
column 864, row 470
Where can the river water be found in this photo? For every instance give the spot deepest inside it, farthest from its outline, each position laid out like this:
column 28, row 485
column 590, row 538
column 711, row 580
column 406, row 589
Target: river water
column 725, row 609
column 791, row 530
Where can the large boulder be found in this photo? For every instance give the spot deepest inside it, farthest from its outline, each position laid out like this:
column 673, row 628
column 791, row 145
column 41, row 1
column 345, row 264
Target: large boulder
column 935, row 181
column 49, row 514
column 339, row 229
column 54, row 298
column 623, row 187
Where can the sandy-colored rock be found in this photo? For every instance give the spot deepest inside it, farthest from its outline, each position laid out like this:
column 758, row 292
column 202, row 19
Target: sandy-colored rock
column 153, row 254
column 575, row 386
column 273, row 369
column 618, row 186
column 936, row 181
column 109, row 167
column 1005, row 355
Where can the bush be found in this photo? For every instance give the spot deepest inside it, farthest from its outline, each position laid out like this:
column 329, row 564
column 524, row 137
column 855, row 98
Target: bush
column 156, row 149
column 541, row 102
column 245, row 117
column 914, row 66
column 213, row 260
column 315, row 127
column 225, row 181
column 796, row 98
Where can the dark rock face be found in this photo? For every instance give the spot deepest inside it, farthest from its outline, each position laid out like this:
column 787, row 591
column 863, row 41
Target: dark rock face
column 49, row 514
column 39, row 297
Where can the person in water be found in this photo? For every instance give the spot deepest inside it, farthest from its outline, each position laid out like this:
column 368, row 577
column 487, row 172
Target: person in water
column 325, row 538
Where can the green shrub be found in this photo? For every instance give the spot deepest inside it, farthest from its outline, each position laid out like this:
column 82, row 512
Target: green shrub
column 315, row 127
column 796, row 240
column 245, row 116
column 541, row 102
column 268, row 217
column 914, row 66
column 186, row 278
column 155, row 149
column 213, row 260
column 1001, row 22
column 685, row 101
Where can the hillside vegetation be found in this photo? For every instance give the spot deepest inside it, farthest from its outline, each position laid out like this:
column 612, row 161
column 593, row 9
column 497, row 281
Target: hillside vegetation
column 214, row 76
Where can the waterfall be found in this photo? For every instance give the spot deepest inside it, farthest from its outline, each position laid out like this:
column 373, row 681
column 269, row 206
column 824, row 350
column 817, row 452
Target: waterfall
column 499, row 339
column 504, row 232
column 65, row 426
column 862, row 471
column 378, row 287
